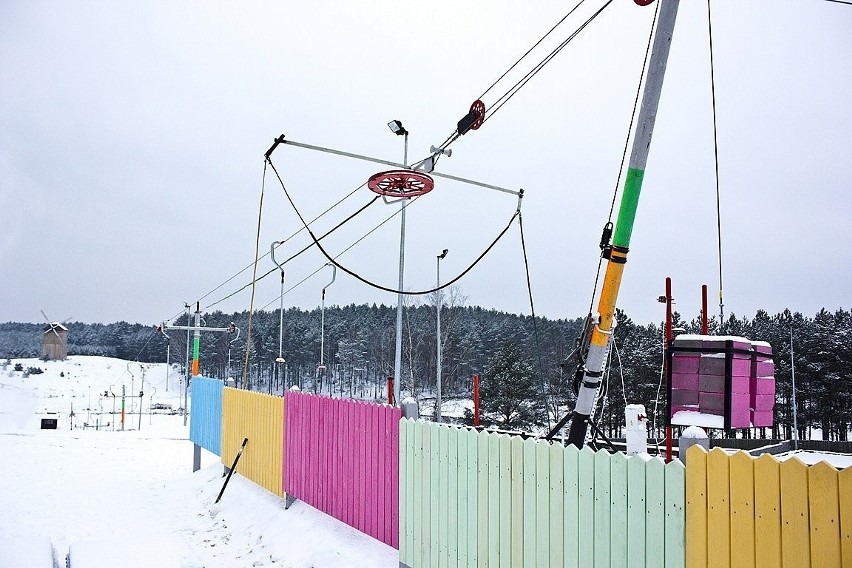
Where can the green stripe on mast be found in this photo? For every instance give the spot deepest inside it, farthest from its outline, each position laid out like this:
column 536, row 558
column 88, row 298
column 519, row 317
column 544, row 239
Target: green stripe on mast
column 627, row 209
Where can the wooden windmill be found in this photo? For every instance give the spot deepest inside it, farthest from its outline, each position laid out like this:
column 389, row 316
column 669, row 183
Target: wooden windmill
column 54, row 341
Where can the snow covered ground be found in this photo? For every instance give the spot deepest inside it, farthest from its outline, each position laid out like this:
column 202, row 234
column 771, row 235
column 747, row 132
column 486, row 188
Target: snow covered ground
column 130, row 496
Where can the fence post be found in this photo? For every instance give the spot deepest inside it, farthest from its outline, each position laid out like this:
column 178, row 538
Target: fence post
column 390, row 391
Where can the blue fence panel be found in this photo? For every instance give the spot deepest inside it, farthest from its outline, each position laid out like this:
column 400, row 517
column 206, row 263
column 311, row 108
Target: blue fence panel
column 205, row 419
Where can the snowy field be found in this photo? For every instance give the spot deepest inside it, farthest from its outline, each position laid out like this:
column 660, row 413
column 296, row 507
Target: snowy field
column 129, row 498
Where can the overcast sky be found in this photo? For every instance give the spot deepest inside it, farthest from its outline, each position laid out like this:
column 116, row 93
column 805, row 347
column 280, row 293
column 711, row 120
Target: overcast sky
column 132, row 138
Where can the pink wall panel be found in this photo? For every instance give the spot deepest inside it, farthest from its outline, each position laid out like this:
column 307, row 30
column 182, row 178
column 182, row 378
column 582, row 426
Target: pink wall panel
column 342, row 457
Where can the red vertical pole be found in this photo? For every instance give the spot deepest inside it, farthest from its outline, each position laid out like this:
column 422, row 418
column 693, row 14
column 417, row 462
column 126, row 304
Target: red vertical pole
column 390, row 390
column 476, row 400
column 704, row 327
column 665, row 358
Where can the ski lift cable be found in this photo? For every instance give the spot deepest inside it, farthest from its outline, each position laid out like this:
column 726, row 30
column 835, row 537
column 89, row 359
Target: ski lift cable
column 544, row 378
column 302, row 251
column 657, row 399
column 375, row 285
column 254, row 274
column 454, row 136
column 511, row 92
column 536, row 44
column 317, row 218
column 624, row 151
column 716, row 163
column 367, row 234
column 620, row 370
column 478, row 108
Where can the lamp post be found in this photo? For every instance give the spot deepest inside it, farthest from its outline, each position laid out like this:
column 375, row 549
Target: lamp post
column 438, row 334
column 397, row 128
column 279, row 361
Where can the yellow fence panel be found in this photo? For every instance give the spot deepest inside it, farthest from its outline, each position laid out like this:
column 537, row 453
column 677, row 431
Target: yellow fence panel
column 744, row 512
column 824, row 502
column 845, row 495
column 741, row 471
column 718, row 509
column 260, row 418
column 767, row 512
column 795, row 526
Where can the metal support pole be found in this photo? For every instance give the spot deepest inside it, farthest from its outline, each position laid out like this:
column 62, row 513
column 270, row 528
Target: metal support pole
column 438, row 335
column 595, row 363
column 793, row 373
column 397, row 363
column 186, row 363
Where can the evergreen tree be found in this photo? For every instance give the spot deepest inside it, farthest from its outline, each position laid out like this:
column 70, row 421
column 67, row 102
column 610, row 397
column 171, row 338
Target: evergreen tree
column 510, row 392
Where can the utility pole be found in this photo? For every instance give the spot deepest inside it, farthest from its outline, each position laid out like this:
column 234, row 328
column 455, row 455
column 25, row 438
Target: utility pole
column 616, row 251
column 196, row 328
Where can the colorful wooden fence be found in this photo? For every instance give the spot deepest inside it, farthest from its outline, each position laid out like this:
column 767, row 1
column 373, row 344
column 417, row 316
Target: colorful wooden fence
column 260, row 418
column 744, row 512
column 343, row 458
column 472, row 498
column 205, row 418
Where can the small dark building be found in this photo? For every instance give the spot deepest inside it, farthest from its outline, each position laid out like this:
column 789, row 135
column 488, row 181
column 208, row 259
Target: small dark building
column 54, row 342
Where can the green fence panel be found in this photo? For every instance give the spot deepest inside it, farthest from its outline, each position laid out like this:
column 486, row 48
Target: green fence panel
column 505, row 501
column 586, row 544
column 542, row 506
column 517, row 449
column 655, row 530
column 557, row 506
column 493, row 500
column 482, row 480
column 571, row 506
column 675, row 507
column 636, row 512
column 530, row 477
column 471, row 499
column 602, row 509
column 618, row 510
column 451, row 551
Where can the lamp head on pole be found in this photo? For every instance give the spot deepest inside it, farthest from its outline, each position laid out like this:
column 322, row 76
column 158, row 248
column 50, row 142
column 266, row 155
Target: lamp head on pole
column 443, row 254
column 397, row 127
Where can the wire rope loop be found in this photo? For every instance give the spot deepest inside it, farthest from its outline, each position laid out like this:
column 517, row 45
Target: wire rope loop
column 400, row 183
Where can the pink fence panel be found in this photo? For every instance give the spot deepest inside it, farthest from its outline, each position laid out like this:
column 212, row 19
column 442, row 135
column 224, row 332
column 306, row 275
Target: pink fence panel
column 342, row 457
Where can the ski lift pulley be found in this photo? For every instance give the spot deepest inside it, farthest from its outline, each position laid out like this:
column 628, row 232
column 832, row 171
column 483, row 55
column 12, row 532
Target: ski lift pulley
column 643, row 2
column 400, row 183
column 473, row 119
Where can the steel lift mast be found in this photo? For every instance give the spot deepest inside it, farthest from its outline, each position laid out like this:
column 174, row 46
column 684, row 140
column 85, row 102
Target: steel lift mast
column 595, row 343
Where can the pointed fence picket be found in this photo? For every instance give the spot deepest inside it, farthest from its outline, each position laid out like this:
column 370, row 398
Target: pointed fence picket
column 343, row 458
column 205, row 418
column 532, row 503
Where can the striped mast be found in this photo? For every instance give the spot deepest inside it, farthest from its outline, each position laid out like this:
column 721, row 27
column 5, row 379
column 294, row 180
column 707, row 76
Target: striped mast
column 598, row 348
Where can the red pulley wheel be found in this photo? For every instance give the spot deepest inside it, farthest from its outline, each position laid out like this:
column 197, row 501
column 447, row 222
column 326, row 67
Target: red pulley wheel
column 400, row 183
column 479, row 108
column 643, row 2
